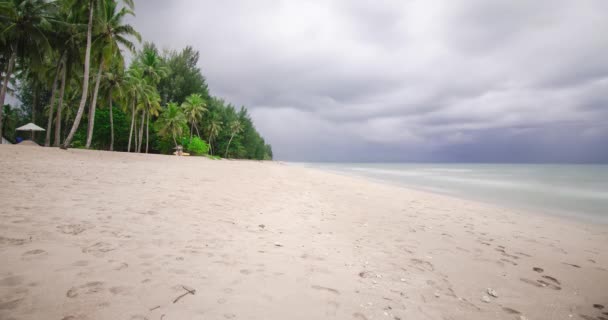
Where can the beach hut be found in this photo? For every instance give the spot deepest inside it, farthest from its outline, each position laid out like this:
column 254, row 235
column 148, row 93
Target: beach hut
column 31, row 128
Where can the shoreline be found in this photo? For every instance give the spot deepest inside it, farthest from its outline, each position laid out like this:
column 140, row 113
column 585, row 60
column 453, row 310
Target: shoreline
column 580, row 217
column 103, row 235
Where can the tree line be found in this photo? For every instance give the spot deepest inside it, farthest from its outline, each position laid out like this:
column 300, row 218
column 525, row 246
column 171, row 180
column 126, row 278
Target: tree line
column 64, row 60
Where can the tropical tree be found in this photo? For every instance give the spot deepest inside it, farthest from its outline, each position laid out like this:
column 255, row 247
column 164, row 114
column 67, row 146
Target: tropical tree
column 25, row 28
column 134, row 86
column 214, row 126
column 111, row 32
column 171, row 122
column 87, row 60
column 193, row 107
column 151, row 63
column 152, row 109
column 115, row 85
column 235, row 127
column 69, row 35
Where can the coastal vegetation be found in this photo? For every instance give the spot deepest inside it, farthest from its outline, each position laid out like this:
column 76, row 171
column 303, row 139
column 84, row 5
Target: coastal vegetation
column 66, row 62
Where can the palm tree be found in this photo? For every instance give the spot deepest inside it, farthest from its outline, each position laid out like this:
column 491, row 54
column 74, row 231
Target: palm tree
column 152, row 108
column 87, row 60
column 26, row 24
column 135, row 89
column 115, row 85
column 47, row 140
column 213, row 127
column 112, row 33
column 68, row 38
column 193, row 107
column 152, row 64
column 171, row 121
column 235, row 127
column 85, row 82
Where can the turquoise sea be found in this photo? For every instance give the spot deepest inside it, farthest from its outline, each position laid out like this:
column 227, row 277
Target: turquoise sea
column 578, row 191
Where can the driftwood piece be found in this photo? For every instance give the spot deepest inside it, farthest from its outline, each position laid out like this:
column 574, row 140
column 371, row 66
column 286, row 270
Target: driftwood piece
column 188, row 291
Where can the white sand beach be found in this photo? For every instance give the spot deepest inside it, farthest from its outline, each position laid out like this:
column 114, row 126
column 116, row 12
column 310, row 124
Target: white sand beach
column 101, row 235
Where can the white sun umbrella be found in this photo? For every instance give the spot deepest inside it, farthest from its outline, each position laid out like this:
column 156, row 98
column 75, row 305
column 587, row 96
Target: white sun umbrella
column 30, row 127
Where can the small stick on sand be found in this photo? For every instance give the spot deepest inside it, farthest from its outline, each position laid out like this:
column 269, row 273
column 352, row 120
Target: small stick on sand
column 157, row 307
column 190, row 291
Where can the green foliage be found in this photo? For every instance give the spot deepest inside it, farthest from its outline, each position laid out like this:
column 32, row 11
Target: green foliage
column 101, row 133
column 165, row 89
column 12, row 119
column 171, row 123
column 183, row 77
column 197, row 147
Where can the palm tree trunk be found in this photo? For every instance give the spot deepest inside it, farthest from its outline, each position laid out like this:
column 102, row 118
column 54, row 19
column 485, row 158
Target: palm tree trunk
column 191, row 129
column 147, row 130
column 197, row 133
column 60, row 106
column 132, row 124
column 93, row 107
column 210, row 146
column 47, row 140
column 7, row 76
column 111, row 123
column 85, row 82
column 135, row 136
column 141, row 131
column 34, row 106
column 228, row 147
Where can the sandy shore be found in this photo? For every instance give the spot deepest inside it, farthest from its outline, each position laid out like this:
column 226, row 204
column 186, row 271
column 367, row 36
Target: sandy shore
column 100, row 235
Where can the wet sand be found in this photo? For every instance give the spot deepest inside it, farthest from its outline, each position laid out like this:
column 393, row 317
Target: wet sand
column 100, row 235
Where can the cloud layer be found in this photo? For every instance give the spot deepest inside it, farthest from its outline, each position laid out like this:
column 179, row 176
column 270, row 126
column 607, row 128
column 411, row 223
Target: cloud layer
column 460, row 80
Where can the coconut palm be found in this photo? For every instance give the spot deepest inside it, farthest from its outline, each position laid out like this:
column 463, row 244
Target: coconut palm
column 115, row 85
column 194, row 107
column 152, row 109
column 235, row 128
column 68, row 37
column 87, row 60
column 136, row 89
column 214, row 126
column 152, row 64
column 171, row 122
column 58, row 72
column 25, row 28
column 111, row 32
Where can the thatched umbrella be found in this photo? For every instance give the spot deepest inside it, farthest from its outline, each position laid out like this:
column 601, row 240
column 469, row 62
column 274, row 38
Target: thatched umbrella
column 30, row 127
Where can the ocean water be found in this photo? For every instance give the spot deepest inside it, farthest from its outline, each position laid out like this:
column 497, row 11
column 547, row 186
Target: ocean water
column 578, row 191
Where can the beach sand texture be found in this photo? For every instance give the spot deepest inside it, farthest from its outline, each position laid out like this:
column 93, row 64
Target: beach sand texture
column 101, row 235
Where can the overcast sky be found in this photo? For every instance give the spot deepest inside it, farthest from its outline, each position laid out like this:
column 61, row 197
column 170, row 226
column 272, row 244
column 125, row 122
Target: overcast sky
column 405, row 80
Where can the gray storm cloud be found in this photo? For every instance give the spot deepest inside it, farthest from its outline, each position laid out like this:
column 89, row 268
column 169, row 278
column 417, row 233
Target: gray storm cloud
column 404, row 80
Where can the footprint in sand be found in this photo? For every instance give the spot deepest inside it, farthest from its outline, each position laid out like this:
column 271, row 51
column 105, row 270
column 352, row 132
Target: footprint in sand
column 541, row 283
column 11, row 304
column 359, row 316
column 423, row 265
column 11, row 281
column 88, row 288
column 332, row 290
column 510, row 310
column 537, row 269
column 99, row 248
column 72, row 229
column 121, row 290
column 34, row 254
